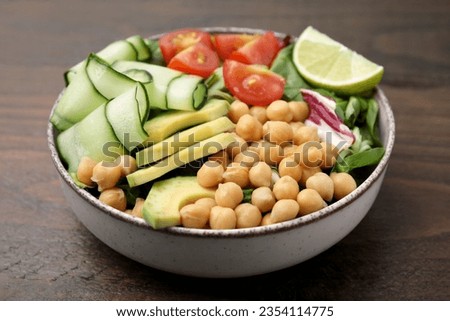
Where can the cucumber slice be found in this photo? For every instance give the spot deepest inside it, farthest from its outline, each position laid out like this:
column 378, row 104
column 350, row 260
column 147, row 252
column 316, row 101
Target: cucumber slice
column 143, row 52
column 162, row 76
column 139, row 75
column 123, row 113
column 204, row 148
column 79, row 99
column 170, row 89
column 69, row 76
column 108, row 82
column 187, row 92
column 169, row 122
column 143, row 103
column 183, row 140
column 216, row 81
column 78, row 141
column 118, row 50
column 153, row 46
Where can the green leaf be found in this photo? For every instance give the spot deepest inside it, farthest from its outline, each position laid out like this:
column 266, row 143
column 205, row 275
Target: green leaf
column 340, row 106
column 130, row 194
column 363, row 106
column 360, row 159
column 284, row 66
column 371, row 120
column 352, row 111
column 247, row 195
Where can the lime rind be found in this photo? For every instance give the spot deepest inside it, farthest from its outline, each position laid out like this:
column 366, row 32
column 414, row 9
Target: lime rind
column 328, row 64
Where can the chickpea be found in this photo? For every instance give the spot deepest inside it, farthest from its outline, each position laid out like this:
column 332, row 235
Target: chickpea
column 138, row 207
column 305, row 134
column 84, row 171
column 114, row 197
column 279, row 110
column 210, row 174
column 284, row 210
column 266, row 220
column 229, row 195
column 259, row 113
column 263, row 198
column 236, row 147
column 237, row 110
column 296, row 125
column 247, row 158
column 309, row 201
column 289, row 150
column 206, row 202
column 270, row 153
column 286, row 188
column 222, row 218
column 106, row 175
column 289, row 167
column 247, row 215
column 309, row 154
column 127, row 164
column 344, row 184
column 194, row 215
column 249, row 128
column 237, row 174
column 278, row 132
column 220, row 157
column 329, row 155
column 260, row 175
column 323, row 184
column 307, row 172
column 299, row 109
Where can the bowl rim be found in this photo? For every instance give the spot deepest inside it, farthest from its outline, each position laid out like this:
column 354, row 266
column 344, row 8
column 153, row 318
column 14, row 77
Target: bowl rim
column 234, row 233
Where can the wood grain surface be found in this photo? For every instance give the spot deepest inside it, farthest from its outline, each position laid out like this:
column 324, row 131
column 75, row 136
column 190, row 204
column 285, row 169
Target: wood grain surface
column 400, row 251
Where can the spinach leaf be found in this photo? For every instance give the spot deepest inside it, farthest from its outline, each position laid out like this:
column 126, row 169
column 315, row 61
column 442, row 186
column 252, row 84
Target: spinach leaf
column 352, row 110
column 359, row 159
column 247, row 195
column 284, row 66
column 371, row 120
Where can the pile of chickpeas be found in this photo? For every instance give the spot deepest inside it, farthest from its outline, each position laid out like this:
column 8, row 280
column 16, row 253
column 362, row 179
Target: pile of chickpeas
column 106, row 175
column 276, row 155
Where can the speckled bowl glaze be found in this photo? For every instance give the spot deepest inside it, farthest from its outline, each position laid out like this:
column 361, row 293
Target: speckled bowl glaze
column 229, row 253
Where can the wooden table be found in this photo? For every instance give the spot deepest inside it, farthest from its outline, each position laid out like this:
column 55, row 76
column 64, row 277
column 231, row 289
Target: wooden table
column 401, row 250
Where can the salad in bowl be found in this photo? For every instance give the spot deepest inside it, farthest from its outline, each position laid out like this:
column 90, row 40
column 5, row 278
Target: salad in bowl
column 178, row 147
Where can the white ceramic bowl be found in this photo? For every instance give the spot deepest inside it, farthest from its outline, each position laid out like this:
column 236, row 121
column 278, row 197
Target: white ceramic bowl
column 229, row 253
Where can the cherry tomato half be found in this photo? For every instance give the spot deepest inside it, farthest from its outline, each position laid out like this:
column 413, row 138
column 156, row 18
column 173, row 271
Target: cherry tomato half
column 261, row 50
column 252, row 84
column 226, row 43
column 178, row 40
column 198, row 60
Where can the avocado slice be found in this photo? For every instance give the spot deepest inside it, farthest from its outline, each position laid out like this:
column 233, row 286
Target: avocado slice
column 170, row 122
column 166, row 198
column 182, row 140
column 204, row 148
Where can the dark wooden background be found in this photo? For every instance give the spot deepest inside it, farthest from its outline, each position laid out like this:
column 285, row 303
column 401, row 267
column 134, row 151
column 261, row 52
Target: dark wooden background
column 400, row 251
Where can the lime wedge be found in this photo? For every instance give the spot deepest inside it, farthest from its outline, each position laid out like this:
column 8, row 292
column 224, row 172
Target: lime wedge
column 328, row 64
